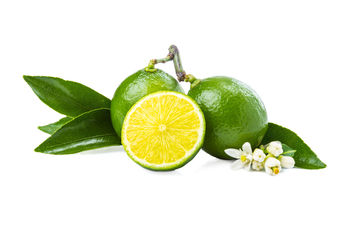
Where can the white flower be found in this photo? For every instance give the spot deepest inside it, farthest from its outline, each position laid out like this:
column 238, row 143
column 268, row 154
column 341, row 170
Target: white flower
column 286, row 161
column 272, row 166
column 258, row 155
column 257, row 165
column 275, row 148
column 244, row 156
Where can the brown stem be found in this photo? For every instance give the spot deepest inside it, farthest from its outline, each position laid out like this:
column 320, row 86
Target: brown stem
column 180, row 72
column 174, row 55
column 153, row 62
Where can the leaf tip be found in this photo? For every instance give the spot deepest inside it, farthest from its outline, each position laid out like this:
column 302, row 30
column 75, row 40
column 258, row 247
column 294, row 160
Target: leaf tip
column 26, row 77
column 39, row 149
column 43, row 129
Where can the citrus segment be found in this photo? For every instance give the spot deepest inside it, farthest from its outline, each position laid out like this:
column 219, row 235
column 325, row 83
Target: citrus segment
column 163, row 130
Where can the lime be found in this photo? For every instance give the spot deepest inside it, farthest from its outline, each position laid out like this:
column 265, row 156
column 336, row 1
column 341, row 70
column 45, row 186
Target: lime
column 134, row 88
column 163, row 130
column 234, row 114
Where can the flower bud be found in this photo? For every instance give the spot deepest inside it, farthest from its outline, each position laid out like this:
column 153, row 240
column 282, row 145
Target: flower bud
column 275, row 148
column 257, row 165
column 286, row 161
column 272, row 166
column 258, row 155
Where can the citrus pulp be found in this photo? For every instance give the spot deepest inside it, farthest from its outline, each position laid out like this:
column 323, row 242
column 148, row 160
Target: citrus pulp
column 163, row 130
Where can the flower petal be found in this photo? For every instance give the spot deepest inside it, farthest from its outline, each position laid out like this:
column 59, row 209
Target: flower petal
column 268, row 170
column 247, row 165
column 235, row 153
column 247, row 148
column 257, row 165
column 237, row 165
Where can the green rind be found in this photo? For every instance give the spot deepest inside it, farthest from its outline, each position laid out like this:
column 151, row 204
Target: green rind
column 90, row 130
column 234, row 114
column 178, row 164
column 53, row 127
column 304, row 157
column 66, row 97
column 135, row 87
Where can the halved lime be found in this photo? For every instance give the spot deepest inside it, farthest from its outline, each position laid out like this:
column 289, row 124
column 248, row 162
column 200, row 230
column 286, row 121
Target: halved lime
column 163, row 130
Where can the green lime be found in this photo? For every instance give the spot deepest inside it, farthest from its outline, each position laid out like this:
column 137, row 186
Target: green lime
column 234, row 114
column 134, row 88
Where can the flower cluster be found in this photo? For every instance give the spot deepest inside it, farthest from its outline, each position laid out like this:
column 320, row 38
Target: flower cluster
column 269, row 157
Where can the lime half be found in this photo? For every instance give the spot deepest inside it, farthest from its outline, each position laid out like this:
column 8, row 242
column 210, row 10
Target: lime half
column 163, row 130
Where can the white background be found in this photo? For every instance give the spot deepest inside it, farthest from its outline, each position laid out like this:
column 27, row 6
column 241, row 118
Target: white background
column 295, row 54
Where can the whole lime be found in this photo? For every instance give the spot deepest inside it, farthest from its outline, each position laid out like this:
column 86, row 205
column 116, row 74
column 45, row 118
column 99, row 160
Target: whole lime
column 134, row 88
column 234, row 114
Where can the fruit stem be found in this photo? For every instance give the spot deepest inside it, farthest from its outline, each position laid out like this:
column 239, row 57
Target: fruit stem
column 174, row 55
column 153, row 62
column 180, row 72
column 191, row 79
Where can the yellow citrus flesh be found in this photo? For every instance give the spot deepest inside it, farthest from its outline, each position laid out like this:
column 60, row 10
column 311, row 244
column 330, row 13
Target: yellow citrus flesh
column 163, row 130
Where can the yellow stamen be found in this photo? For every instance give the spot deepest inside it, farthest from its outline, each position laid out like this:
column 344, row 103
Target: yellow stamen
column 275, row 170
column 243, row 158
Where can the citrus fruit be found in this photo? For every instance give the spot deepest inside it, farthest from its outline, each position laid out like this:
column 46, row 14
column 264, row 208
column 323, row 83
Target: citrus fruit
column 163, row 130
column 234, row 114
column 134, row 88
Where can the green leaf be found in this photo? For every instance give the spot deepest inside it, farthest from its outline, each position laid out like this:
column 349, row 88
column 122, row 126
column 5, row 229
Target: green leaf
column 53, row 127
column 90, row 130
column 304, row 157
column 66, row 97
column 288, row 151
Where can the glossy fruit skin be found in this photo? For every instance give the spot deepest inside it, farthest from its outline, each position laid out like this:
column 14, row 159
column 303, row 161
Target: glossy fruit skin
column 134, row 88
column 234, row 114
